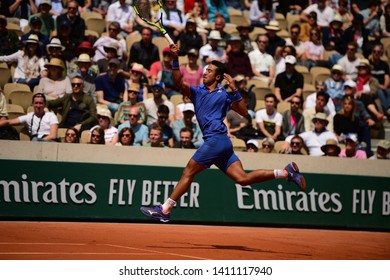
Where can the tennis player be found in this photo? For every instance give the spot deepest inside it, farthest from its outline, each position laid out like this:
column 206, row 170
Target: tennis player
column 211, row 102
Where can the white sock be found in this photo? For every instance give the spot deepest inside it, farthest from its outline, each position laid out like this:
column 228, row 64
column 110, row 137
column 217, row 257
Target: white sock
column 279, row 173
column 168, row 205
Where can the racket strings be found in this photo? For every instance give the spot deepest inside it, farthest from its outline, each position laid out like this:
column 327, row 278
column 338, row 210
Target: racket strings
column 143, row 9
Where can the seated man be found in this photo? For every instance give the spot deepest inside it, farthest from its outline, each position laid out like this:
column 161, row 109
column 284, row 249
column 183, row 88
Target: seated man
column 41, row 125
column 78, row 109
column 152, row 104
column 186, row 121
column 156, row 138
column 185, row 142
column 162, row 117
column 110, row 87
column 269, row 121
column 141, row 131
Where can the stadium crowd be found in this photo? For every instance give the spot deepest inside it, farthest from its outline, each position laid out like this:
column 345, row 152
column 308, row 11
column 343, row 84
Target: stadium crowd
column 314, row 74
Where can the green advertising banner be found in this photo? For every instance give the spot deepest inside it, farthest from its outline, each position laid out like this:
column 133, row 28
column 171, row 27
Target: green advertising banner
column 84, row 191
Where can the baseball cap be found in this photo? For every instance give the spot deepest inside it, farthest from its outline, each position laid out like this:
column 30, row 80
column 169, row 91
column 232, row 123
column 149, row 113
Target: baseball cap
column 350, row 83
column 194, row 52
column 253, row 142
column 35, row 19
column 189, row 107
column 166, row 50
column 159, row 85
column 352, row 137
column 114, row 61
column 290, row 59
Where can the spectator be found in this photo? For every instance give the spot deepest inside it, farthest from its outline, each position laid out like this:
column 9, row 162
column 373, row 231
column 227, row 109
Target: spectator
column 351, row 148
column 280, row 62
column 84, row 71
column 48, row 22
column 112, row 53
column 104, row 121
column 186, row 121
column 311, row 99
column 97, row 136
column 219, row 25
column 3, row 107
column 295, row 42
column 29, row 62
column 275, row 42
column 269, row 121
column 314, row 50
column 252, row 146
column 147, row 10
column 152, row 104
column 67, row 40
column 239, row 126
column 144, row 51
column 124, row 14
column 173, row 19
column 297, row 146
column 238, row 59
column 41, row 125
column 9, row 40
column 307, row 26
column 190, row 38
column 54, row 85
column 345, row 14
column 192, row 73
column 332, row 38
column 185, row 142
column 217, row 8
column 293, row 121
column 322, row 98
column 380, row 71
column 335, row 83
column 72, row 135
column 367, row 87
column 260, row 12
column 314, row 139
column 78, row 109
column 349, row 62
column 140, row 130
column 162, row 72
column 77, row 24
column 344, row 121
column 167, row 132
column 263, row 64
column 289, row 84
column 331, row 148
column 358, row 34
column 113, row 37
column 156, row 138
column 371, row 17
column 21, row 10
column 268, row 146
column 241, row 83
column 244, row 29
column 384, row 21
column 212, row 51
column 130, row 99
column 323, row 11
column 199, row 14
column 382, row 150
column 55, row 50
column 126, row 137
column 110, row 87
column 35, row 23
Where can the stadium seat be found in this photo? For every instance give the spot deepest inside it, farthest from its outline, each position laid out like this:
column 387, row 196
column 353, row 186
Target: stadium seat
column 260, row 93
column 282, row 107
column 282, row 21
column 257, row 83
column 84, row 137
column 61, row 134
column 279, row 145
column 5, row 74
column 15, row 111
column 238, row 144
column 15, row 27
column 292, row 19
column 260, row 104
column 22, row 98
column 86, row 15
column 96, row 24
column 319, row 73
column 161, row 43
column 176, row 99
column 233, row 11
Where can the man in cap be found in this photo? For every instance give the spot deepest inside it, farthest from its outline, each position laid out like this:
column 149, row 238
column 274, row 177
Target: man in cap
column 323, row 11
column 263, row 64
column 110, row 87
column 316, row 138
column 186, row 121
column 114, row 29
column 351, row 149
column 112, row 51
column 9, row 40
column 212, row 51
column 152, row 104
column 238, row 59
column 190, row 38
column 289, row 83
column 335, row 83
column 322, row 99
column 48, row 22
column 252, row 146
column 382, row 150
column 77, row 23
column 35, row 28
column 244, row 29
column 78, row 109
column 144, row 51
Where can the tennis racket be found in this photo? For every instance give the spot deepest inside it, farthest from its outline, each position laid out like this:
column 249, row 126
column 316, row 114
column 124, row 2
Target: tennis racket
column 142, row 9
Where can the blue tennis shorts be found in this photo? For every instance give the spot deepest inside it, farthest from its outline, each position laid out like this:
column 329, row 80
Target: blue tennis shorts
column 217, row 150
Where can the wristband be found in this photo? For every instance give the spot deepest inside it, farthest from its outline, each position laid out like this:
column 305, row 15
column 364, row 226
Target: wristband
column 175, row 64
column 237, row 95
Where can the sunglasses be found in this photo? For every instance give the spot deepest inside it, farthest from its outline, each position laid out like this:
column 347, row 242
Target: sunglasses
column 131, row 115
column 103, row 117
column 135, row 72
column 72, row 8
column 126, row 135
column 295, row 102
column 351, row 49
column 294, row 33
column 130, row 91
column 76, row 84
column 95, row 136
column 70, row 135
column 313, row 34
column 113, row 29
column 163, row 117
column 267, row 146
column 295, row 143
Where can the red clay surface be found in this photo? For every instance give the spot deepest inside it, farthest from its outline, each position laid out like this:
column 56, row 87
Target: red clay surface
column 112, row 241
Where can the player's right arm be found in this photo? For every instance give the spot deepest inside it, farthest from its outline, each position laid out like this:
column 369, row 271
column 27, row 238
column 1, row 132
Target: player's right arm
column 184, row 87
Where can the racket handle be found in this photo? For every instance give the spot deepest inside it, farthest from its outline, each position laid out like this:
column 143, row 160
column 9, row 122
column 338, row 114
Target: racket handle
column 170, row 41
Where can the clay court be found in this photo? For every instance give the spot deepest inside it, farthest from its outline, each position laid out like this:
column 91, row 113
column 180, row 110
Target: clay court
column 155, row 241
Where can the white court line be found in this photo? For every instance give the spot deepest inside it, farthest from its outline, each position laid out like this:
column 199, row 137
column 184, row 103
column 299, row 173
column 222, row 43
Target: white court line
column 156, row 252
column 82, row 244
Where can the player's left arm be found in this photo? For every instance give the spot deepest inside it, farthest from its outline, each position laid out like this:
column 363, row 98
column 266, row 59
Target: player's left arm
column 238, row 104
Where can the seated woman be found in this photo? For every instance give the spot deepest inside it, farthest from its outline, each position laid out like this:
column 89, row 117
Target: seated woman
column 110, row 132
column 97, row 136
column 268, row 146
column 72, row 135
column 29, row 62
column 192, row 72
column 126, row 137
column 344, row 121
column 55, row 85
column 314, row 50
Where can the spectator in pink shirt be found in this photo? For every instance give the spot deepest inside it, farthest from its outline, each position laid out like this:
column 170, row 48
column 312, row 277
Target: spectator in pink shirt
column 351, row 148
